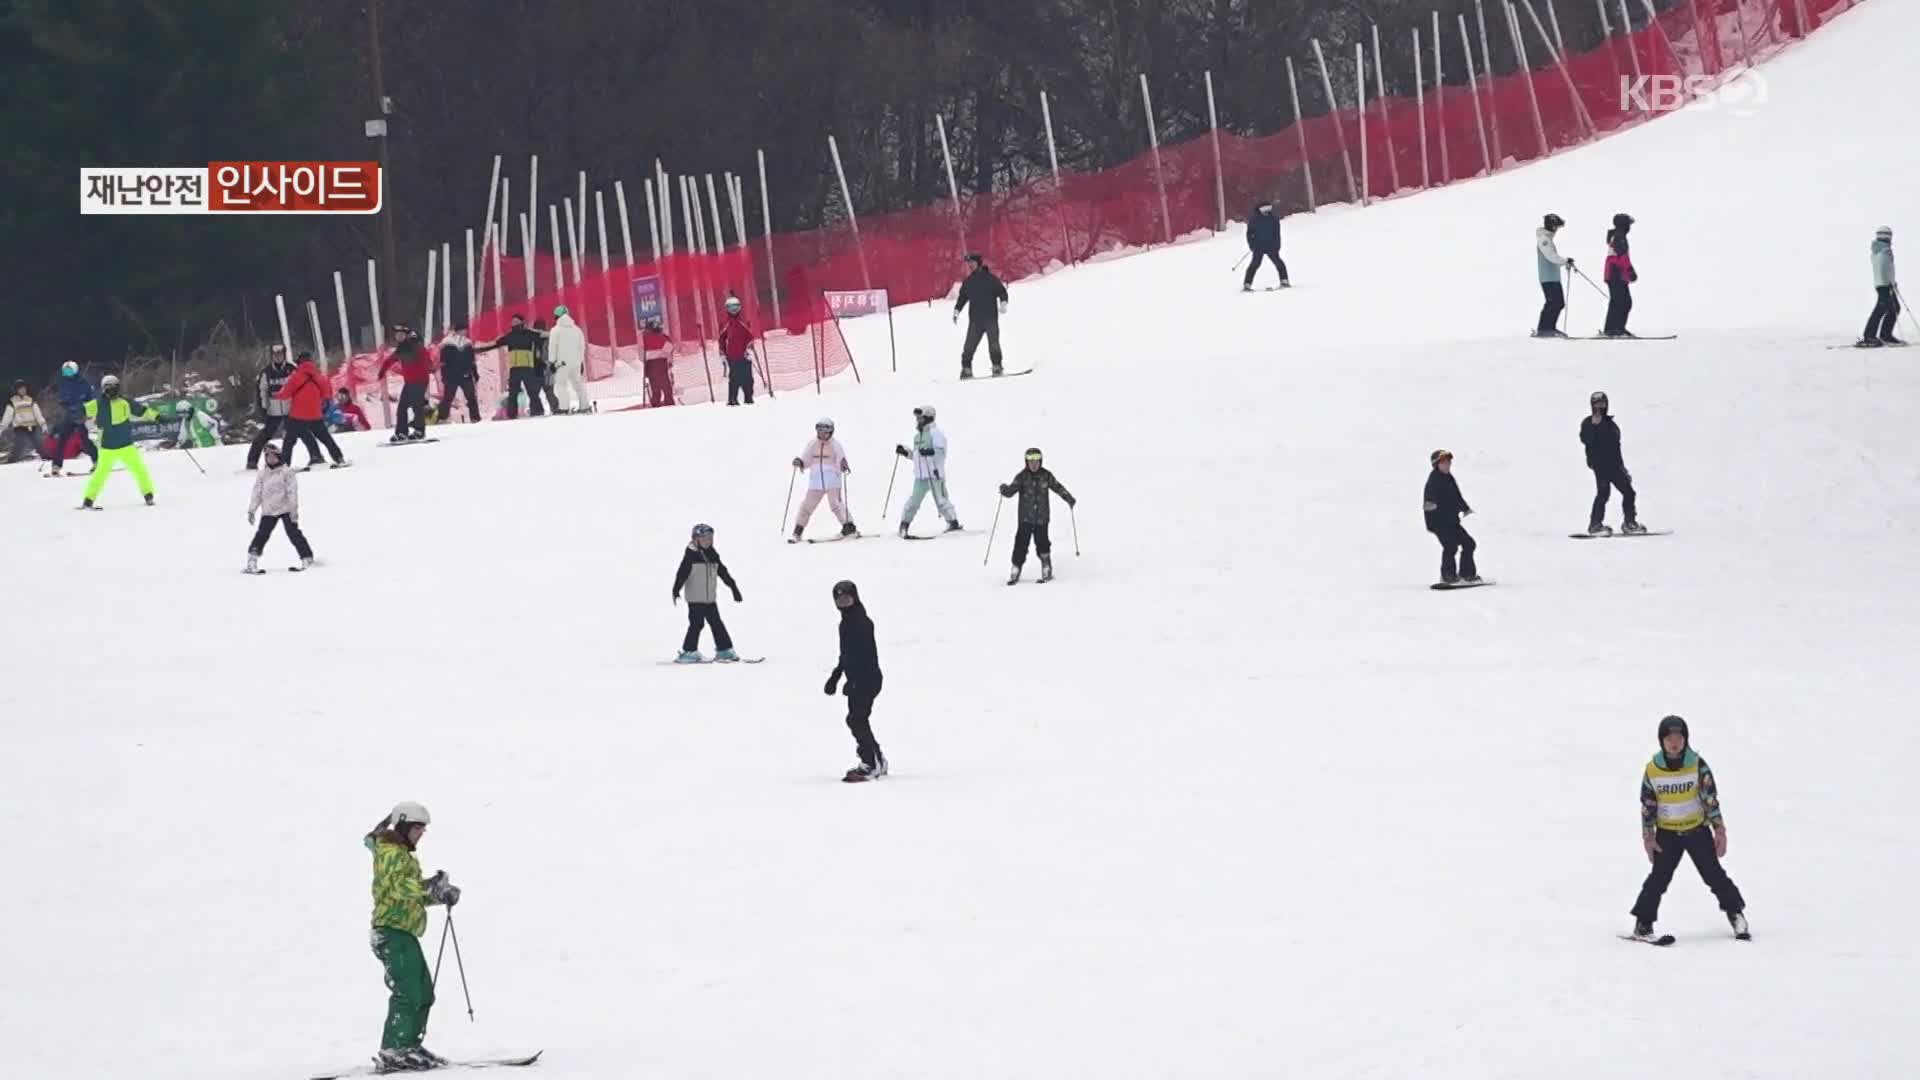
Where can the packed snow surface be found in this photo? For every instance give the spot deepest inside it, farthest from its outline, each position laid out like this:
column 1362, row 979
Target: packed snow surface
column 1236, row 796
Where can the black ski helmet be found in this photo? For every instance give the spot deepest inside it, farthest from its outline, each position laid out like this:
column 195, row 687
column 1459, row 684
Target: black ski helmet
column 1621, row 221
column 1598, row 400
column 1438, row 455
column 1033, row 454
column 1554, row 221
column 846, row 588
column 1672, row 724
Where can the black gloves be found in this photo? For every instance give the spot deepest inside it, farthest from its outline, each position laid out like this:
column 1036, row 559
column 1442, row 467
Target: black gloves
column 928, row 452
column 833, row 684
column 1007, row 490
column 442, row 891
column 736, row 594
column 901, row 450
column 1071, row 501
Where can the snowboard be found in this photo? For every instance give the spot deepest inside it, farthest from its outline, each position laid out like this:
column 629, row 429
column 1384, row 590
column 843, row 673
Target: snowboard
column 1618, row 535
column 1002, row 375
column 1662, row 941
column 410, row 442
column 1446, row 586
column 486, row 1063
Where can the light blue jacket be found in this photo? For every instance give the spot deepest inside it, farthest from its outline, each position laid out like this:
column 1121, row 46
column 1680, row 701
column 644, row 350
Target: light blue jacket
column 1883, row 264
column 1548, row 255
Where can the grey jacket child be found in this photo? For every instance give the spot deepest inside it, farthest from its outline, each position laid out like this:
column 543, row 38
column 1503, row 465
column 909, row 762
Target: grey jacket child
column 1882, row 256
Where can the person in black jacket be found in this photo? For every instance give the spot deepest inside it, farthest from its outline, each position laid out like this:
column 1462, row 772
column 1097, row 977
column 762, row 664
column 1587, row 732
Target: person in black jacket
column 459, row 373
column 701, row 573
column 983, row 297
column 860, row 666
column 1263, row 240
column 1032, row 483
column 1601, row 436
column 1444, row 505
column 1619, row 276
column 544, row 368
column 273, row 411
column 526, row 350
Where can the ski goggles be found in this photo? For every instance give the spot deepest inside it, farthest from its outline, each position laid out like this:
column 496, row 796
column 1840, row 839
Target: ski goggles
column 1034, row 457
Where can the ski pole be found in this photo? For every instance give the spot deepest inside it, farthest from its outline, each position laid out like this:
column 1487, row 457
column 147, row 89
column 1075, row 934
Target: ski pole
column 1566, row 308
column 788, row 505
column 997, row 503
column 1903, row 306
column 195, row 460
column 459, row 964
column 1588, row 280
column 1243, row 258
column 1075, row 518
column 895, row 471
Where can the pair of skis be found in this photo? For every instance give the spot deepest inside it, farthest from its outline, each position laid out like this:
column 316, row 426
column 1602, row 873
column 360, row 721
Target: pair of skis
column 484, row 1063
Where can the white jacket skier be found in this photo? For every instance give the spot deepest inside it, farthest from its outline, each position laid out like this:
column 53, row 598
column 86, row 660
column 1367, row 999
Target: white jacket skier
column 825, row 462
column 567, row 353
column 929, row 457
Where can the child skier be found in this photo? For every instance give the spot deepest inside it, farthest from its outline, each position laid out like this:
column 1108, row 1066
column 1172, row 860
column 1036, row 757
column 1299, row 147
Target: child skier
column 1547, row 254
column 23, row 423
column 1032, row 483
column 400, row 899
column 736, row 338
column 929, row 457
column 276, row 501
column 1886, row 304
column 1443, row 505
column 116, row 441
column 656, row 347
column 1680, row 814
column 75, row 392
column 701, row 574
column 825, row 462
column 860, row 666
column 1601, row 436
column 1263, row 242
column 1620, row 276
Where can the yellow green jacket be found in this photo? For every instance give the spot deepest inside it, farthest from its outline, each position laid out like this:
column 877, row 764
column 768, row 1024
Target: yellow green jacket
column 399, row 892
column 116, row 428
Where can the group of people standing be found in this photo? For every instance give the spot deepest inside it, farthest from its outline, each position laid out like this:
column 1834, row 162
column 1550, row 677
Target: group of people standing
column 1617, row 273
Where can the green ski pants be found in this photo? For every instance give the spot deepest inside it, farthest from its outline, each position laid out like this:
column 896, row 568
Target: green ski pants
column 410, row 986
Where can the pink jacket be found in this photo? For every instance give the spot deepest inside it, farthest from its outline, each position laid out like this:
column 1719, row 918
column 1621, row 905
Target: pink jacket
column 824, row 462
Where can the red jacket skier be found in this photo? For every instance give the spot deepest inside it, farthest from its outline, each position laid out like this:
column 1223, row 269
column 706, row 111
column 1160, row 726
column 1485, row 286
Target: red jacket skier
column 736, row 337
column 656, row 350
column 306, row 392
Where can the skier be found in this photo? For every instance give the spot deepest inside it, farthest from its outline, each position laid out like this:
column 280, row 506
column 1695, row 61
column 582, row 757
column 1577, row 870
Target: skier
column 459, row 374
column 276, row 495
column 1443, row 505
column 657, row 349
column 736, row 337
column 1032, row 483
column 984, row 298
column 116, row 441
column 1601, row 436
column 1620, row 276
column 701, row 574
column 306, row 396
column 1680, row 814
column 23, row 423
column 929, row 457
column 1547, row 254
column 345, row 415
column 1886, row 305
column 860, row 666
column 400, row 900
column 567, row 348
column 1263, row 241
column 523, row 373
column 825, row 462
column 75, row 393
column 273, row 407
column 416, row 369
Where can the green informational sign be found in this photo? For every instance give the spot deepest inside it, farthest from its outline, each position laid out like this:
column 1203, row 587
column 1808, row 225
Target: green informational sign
column 187, row 421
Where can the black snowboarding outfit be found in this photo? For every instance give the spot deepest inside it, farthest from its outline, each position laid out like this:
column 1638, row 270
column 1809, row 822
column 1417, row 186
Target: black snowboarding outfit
column 1601, row 436
column 1443, row 505
column 701, row 573
column 1035, row 513
column 459, row 373
column 1263, row 241
column 860, row 667
column 980, row 297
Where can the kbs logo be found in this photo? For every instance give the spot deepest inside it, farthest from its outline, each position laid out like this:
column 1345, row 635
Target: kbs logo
column 1741, row 95
column 235, row 187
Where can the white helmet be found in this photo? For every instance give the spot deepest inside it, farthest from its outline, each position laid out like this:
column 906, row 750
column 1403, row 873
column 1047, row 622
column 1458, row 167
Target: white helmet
column 110, row 380
column 824, row 422
column 926, row 411
column 409, row 813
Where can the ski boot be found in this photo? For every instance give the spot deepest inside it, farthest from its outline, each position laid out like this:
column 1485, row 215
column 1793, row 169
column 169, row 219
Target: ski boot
column 1014, row 578
column 953, row 524
column 689, row 658
column 1247, row 287
column 149, row 500
column 798, row 531
column 1449, row 579
column 1469, row 579
column 341, row 464
column 56, row 471
column 1642, row 930
column 1634, row 528
column 998, row 371
column 903, row 530
column 1599, row 529
column 400, row 1059
column 726, row 656
column 1738, row 920
column 86, row 504
column 1550, row 334
column 1868, row 343
column 966, row 373
column 306, row 562
column 849, row 530
column 1285, row 284
column 1889, row 339
column 1046, row 569
column 253, row 563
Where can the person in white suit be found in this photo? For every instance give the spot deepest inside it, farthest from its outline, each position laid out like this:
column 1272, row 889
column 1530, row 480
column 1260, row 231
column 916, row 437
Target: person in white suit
column 825, row 463
column 567, row 353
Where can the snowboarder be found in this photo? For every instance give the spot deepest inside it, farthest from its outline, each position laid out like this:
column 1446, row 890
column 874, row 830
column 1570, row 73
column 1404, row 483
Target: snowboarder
column 1601, row 436
column 825, row 462
column 736, row 337
column 701, row 574
column 1680, row 814
column 400, row 900
column 567, row 363
column 23, row 423
column 306, row 395
column 860, row 666
column 1547, row 254
column 1620, row 276
column 1032, row 483
column 1886, row 305
column 929, row 457
column 656, row 347
column 984, row 298
column 1443, row 505
column 116, row 441
column 1263, row 241
column 416, row 369
column 273, row 407
column 75, row 393
column 523, row 372
column 459, row 374
column 276, row 501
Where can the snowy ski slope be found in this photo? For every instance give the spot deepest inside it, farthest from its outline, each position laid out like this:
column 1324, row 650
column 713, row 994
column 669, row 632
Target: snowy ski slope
column 1236, row 796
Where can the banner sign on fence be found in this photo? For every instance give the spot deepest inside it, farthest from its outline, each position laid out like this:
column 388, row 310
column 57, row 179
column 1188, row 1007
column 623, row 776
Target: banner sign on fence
column 851, row 304
column 649, row 302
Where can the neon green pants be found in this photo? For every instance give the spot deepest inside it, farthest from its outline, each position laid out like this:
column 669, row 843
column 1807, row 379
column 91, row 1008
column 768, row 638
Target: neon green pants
column 128, row 456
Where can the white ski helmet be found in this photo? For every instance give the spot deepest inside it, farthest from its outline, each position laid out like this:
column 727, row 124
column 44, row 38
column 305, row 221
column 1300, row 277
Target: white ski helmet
column 109, row 381
column 409, row 813
column 925, row 412
column 823, row 422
